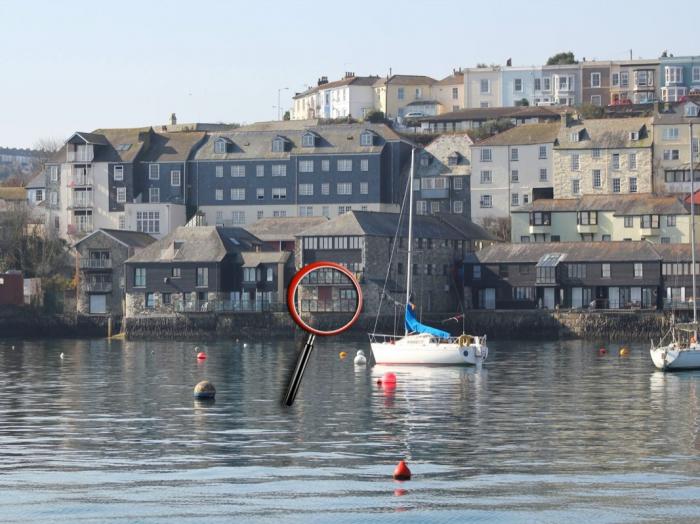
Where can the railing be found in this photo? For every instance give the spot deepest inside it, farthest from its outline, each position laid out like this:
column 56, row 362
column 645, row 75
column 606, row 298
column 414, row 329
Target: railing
column 80, row 202
column 98, row 287
column 680, row 304
column 223, row 306
column 81, row 155
column 384, row 338
column 80, row 179
column 95, row 263
column 329, row 306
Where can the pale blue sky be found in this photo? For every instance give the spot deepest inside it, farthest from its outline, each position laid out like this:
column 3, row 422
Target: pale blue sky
column 67, row 66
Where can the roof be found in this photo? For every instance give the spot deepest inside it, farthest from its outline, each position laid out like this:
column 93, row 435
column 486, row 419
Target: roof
column 134, row 239
column 634, row 204
column 606, row 133
column 443, row 147
column 172, row 147
column 405, row 80
column 676, row 252
column 255, row 258
column 13, row 193
column 117, row 145
column 494, row 113
column 197, row 244
column 455, row 78
column 674, row 113
column 526, row 134
column 350, row 80
column 532, row 253
column 373, row 223
column 282, row 228
column 37, row 182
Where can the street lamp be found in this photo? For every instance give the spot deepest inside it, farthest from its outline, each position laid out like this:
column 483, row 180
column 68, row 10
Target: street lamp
column 279, row 105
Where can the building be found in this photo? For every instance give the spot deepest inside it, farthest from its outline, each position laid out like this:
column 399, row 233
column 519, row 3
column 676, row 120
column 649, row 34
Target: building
column 676, row 273
column 510, row 169
column 443, row 175
column 634, row 81
column 473, row 118
column 298, row 168
column 672, row 145
column 602, row 275
column 36, row 189
column 18, row 161
column 11, row 288
column 205, row 269
column 449, row 92
column 482, row 87
column 603, row 156
column 563, row 82
column 678, row 76
column 522, row 86
column 279, row 234
column 351, row 96
column 393, row 94
column 632, row 217
column 362, row 241
column 595, row 83
column 100, row 269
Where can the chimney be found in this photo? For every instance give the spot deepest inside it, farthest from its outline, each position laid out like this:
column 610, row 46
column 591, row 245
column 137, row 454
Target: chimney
column 349, row 74
column 323, row 80
column 173, row 120
column 509, row 62
column 567, row 119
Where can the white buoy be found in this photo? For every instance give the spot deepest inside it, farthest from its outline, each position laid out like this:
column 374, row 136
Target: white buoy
column 360, row 359
column 245, row 345
column 61, row 355
column 13, row 348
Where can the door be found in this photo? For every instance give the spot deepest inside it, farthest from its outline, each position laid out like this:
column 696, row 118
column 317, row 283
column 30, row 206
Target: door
column 549, row 298
column 487, row 298
column 614, row 296
column 98, row 304
column 576, row 298
column 636, row 296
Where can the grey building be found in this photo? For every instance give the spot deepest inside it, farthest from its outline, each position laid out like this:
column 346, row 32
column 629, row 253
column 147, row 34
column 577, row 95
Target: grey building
column 100, row 269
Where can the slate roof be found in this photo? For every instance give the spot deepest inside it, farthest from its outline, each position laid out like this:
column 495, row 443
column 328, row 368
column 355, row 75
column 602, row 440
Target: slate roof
column 674, row 113
column 108, row 142
column 531, row 253
column 172, row 147
column 37, row 182
column 255, row 258
column 635, row 204
column 493, row 113
column 134, row 239
column 282, row 228
column 676, row 252
column 405, row 80
column 198, row 244
column 606, row 133
column 527, row 134
column 353, row 80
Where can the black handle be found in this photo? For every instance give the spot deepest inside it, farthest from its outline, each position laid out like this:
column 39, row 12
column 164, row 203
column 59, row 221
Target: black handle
column 302, row 360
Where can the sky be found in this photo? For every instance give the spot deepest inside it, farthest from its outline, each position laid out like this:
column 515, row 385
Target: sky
column 77, row 66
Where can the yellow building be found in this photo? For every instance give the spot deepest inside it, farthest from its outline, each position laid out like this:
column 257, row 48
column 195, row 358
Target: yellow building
column 393, row 94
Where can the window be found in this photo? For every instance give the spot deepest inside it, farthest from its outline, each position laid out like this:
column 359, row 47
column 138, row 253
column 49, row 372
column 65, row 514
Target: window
column 364, row 188
column 140, row 277
column 485, row 201
column 671, row 133
column 53, row 173
column 325, row 165
column 650, row 221
column 121, row 195
column 543, row 174
column 366, row 139
column 540, row 218
column 596, row 100
column 606, row 238
column 484, row 86
column 643, row 78
column 514, row 153
column 238, row 217
column 250, row 274
column 616, row 185
column 344, row 188
column 597, row 182
column 219, row 218
column 421, row 207
column 238, row 171
column 344, row 165
column 278, row 214
column 632, row 161
column 486, row 177
column 515, row 199
column 457, row 207
column 576, row 186
column 344, row 209
column 595, row 79
column 269, row 274
column 148, row 221
column 624, row 79
column 400, row 93
column 665, row 240
column 587, row 218
column 435, row 207
column 615, row 79
column 260, row 193
column 279, row 193
column 476, row 272
column 455, row 93
column 306, row 166
column 118, row 173
column 518, row 85
column 167, row 299
column 538, row 84
column 514, row 176
column 219, row 171
column 202, row 277
column 260, row 214
column 308, row 140
column 616, row 160
column 674, row 75
column 543, row 152
column 150, row 300
column 633, row 184
column 219, row 194
column 605, row 270
column 154, row 172
column 154, row 195
column 419, row 92
column 671, row 220
column 524, row 239
column 364, row 164
column 306, row 189
column 278, row 145
column 503, row 270
column 260, row 170
column 483, row 104
column 576, row 270
column 547, row 83
column 638, row 270
column 575, row 162
column 122, row 221
column 176, row 272
column 696, row 74
column 238, row 193
column 53, row 198
column 485, row 154
column 279, row 170
column 672, row 94
column 671, row 154
column 325, row 189
column 595, row 153
column 629, row 221
column 220, row 146
column 691, row 110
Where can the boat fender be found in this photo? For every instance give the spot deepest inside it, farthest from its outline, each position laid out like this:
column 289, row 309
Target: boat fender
column 465, row 340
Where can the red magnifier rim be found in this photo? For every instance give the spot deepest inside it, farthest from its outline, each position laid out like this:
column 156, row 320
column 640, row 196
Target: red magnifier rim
column 294, row 284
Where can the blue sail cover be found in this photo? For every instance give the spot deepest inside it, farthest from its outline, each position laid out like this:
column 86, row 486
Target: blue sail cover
column 413, row 326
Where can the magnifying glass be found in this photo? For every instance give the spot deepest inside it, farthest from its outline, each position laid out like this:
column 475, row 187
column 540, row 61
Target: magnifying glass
column 324, row 299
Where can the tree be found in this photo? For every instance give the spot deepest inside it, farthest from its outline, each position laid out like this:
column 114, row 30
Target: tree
column 287, row 116
column 562, row 58
column 590, row 111
column 524, row 102
column 375, row 117
column 499, row 227
column 492, row 127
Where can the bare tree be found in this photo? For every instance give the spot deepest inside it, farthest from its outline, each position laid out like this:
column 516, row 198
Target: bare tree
column 499, row 227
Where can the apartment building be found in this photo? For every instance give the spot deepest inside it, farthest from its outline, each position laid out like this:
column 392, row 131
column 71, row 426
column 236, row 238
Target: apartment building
column 595, row 83
column 482, row 87
column 634, row 81
column 351, row 96
column 672, row 156
column 393, row 95
column 449, row 92
column 678, row 76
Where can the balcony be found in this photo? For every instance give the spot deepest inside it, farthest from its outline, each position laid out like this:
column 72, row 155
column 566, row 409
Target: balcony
column 80, row 202
column 80, row 177
column 80, row 228
column 95, row 263
column 98, row 287
column 540, row 229
column 649, row 231
column 81, row 154
column 587, row 228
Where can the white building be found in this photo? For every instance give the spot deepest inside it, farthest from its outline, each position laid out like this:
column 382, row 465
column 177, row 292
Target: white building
column 511, row 169
column 350, row 96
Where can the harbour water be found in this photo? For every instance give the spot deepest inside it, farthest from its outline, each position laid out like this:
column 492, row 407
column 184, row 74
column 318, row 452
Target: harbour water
column 544, row 432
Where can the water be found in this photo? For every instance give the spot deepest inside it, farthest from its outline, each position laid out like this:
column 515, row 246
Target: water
column 545, row 432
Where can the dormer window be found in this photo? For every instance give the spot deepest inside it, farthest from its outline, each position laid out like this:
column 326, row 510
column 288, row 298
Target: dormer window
column 367, row 138
column 308, row 140
column 425, row 161
column 691, row 110
column 574, row 137
column 278, row 145
column 220, row 145
column 453, row 159
column 634, row 135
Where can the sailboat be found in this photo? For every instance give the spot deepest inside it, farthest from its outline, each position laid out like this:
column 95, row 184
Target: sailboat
column 420, row 343
column 683, row 351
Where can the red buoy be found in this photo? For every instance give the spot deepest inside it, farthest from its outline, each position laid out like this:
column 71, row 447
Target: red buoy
column 401, row 472
column 201, row 355
column 602, row 351
column 389, row 378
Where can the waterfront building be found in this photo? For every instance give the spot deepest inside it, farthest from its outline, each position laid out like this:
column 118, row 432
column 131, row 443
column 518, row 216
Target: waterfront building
column 676, row 273
column 602, row 275
column 632, row 217
column 511, row 169
column 672, row 145
column 351, row 96
column 362, row 241
column 473, row 118
column 603, row 156
column 595, row 83
column 100, row 269
column 393, row 94
column 679, row 76
column 443, row 176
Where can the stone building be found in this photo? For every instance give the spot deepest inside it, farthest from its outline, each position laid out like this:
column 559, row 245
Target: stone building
column 603, row 156
column 100, row 269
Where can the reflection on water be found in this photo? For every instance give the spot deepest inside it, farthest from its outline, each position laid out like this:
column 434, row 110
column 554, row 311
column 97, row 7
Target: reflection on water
column 544, row 432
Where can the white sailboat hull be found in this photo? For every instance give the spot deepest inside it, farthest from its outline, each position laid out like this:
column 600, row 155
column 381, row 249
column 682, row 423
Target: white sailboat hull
column 673, row 357
column 426, row 349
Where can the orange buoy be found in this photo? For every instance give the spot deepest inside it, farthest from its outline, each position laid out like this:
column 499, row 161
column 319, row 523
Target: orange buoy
column 401, row 472
column 624, row 351
column 201, row 355
column 389, row 378
column 602, row 351
column 342, row 355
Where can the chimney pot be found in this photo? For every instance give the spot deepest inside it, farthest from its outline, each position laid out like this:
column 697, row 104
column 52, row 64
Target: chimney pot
column 173, row 120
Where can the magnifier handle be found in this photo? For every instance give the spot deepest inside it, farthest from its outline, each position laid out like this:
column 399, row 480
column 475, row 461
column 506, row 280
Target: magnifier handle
column 302, row 359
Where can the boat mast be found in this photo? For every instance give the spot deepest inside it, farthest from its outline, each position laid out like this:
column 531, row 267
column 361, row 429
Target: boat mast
column 409, row 265
column 692, row 226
